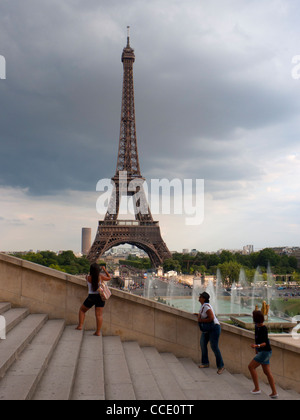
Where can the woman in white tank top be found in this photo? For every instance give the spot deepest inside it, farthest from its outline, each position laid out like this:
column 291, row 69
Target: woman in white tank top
column 93, row 281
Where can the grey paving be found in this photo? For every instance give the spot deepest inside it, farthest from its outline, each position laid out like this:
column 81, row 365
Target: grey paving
column 89, row 382
column 58, row 379
column 17, row 339
column 144, row 383
column 118, row 383
column 20, row 381
column 166, row 381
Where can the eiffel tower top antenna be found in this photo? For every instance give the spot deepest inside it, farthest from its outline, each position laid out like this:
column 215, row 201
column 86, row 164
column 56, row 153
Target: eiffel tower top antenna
column 128, row 36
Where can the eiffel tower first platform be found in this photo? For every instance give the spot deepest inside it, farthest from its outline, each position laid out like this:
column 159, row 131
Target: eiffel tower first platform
column 142, row 232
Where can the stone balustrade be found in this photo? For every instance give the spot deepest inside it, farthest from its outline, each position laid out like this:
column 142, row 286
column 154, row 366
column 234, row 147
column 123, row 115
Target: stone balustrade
column 60, row 295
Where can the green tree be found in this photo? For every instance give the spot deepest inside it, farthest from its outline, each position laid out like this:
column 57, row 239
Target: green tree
column 171, row 264
column 230, row 271
column 66, row 261
column 57, row 267
column 293, row 262
column 267, row 256
column 66, row 258
column 226, row 256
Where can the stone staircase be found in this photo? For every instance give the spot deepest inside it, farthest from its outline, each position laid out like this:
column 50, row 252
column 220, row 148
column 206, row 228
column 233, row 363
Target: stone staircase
column 42, row 359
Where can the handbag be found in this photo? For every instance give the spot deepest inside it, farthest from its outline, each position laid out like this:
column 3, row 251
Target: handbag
column 104, row 291
column 206, row 326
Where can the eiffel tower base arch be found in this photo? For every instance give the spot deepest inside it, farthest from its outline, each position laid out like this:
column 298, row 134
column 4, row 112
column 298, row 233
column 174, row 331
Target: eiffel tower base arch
column 144, row 235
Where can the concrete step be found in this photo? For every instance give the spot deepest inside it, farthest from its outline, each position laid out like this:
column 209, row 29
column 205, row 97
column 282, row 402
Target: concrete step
column 283, row 394
column 266, row 390
column 200, row 389
column 294, row 395
column 89, row 381
column 191, row 380
column 163, row 376
column 248, row 383
column 118, row 384
column 58, row 379
column 14, row 316
column 20, row 381
column 17, row 339
column 4, row 306
column 204, row 383
column 144, row 384
column 231, row 388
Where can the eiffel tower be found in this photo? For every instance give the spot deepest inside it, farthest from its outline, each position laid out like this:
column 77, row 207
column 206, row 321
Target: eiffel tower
column 142, row 232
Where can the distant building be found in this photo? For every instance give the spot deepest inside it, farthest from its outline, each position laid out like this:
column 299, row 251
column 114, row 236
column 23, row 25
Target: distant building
column 160, row 272
column 248, row 249
column 86, row 240
column 171, row 273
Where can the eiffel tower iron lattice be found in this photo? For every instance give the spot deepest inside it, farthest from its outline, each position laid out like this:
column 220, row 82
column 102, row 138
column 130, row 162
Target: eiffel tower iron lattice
column 142, row 232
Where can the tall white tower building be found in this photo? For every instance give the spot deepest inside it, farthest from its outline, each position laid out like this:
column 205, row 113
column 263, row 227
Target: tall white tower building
column 86, row 240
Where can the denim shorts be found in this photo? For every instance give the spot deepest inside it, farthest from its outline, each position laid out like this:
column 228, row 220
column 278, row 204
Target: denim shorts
column 263, row 357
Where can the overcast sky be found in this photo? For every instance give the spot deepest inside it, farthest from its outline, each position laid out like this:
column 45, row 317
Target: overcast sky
column 216, row 98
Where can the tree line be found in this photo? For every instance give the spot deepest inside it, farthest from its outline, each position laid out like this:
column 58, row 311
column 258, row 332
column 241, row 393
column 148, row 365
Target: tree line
column 230, row 264
column 66, row 261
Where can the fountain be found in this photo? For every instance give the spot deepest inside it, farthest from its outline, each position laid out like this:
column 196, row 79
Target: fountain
column 261, row 300
column 274, row 323
column 234, row 299
column 240, row 305
column 148, row 286
column 170, row 291
column 257, row 288
column 217, row 294
column 212, row 291
column 197, row 289
column 270, row 284
column 244, row 289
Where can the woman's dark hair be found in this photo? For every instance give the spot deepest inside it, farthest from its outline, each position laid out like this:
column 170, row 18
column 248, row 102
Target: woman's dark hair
column 94, row 272
column 258, row 317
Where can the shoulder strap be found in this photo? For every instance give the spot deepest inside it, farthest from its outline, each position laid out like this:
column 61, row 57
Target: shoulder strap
column 99, row 280
column 203, row 306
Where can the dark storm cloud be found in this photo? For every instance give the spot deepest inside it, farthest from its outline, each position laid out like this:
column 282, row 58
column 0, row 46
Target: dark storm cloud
column 59, row 129
column 200, row 102
column 61, row 101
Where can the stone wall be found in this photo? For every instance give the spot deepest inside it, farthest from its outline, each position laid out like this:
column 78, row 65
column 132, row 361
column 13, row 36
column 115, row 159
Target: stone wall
column 60, row 295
